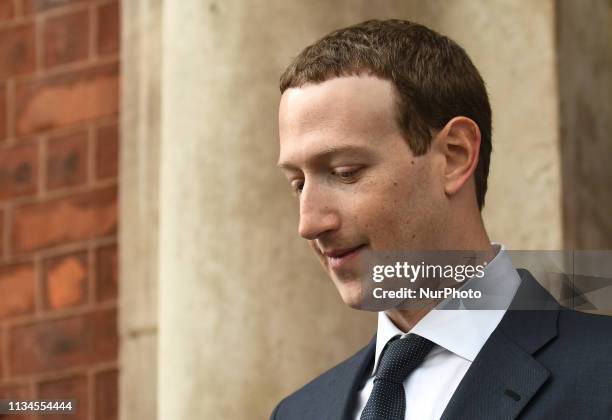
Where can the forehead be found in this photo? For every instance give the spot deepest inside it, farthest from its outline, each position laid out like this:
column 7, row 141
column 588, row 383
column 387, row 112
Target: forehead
column 344, row 110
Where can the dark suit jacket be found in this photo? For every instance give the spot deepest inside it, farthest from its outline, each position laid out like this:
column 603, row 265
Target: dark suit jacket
column 537, row 364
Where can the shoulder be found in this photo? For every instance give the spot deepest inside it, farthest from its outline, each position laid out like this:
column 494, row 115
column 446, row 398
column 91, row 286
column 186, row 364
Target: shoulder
column 312, row 399
column 583, row 346
column 585, row 330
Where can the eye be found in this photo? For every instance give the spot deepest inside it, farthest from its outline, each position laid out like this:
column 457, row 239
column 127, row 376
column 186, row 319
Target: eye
column 297, row 186
column 346, row 174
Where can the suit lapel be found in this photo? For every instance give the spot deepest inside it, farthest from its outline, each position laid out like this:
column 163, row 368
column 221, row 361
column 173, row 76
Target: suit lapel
column 505, row 376
column 344, row 387
column 499, row 384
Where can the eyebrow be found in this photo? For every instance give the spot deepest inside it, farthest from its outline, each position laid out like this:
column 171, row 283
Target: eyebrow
column 327, row 153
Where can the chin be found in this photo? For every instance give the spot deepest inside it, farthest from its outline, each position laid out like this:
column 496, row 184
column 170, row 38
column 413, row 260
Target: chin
column 351, row 295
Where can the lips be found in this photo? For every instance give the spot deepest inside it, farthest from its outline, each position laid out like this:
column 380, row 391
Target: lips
column 338, row 258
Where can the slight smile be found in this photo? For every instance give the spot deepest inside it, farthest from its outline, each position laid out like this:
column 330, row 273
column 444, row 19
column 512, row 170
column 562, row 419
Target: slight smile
column 340, row 257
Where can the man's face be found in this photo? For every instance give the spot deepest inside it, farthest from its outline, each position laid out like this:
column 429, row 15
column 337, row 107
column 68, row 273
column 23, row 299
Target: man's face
column 359, row 186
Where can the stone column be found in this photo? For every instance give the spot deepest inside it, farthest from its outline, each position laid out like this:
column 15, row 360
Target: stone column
column 585, row 72
column 139, row 205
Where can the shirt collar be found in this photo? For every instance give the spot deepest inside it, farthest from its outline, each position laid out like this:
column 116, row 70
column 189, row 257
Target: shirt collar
column 462, row 331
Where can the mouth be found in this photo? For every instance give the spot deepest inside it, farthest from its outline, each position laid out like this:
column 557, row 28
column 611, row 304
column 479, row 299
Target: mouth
column 338, row 258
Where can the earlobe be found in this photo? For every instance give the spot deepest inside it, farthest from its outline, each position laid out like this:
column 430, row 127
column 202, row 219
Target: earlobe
column 461, row 145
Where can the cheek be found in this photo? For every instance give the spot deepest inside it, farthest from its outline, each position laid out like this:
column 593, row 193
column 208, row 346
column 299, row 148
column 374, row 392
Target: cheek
column 383, row 215
column 399, row 216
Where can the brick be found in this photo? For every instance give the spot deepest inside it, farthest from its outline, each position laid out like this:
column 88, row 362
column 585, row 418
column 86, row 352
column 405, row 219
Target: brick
column 108, row 29
column 16, row 392
column 8, row 391
column 107, row 151
column 18, row 170
column 65, row 99
column 2, row 369
column 28, row 7
column 74, row 387
column 106, row 272
column 1, row 236
column 66, row 38
column 67, row 161
column 65, row 281
column 3, row 113
column 17, row 290
column 7, row 10
column 79, row 217
column 17, row 50
column 107, row 395
column 37, row 6
column 72, row 342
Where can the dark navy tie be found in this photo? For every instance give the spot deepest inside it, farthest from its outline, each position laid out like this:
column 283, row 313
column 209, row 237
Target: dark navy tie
column 399, row 358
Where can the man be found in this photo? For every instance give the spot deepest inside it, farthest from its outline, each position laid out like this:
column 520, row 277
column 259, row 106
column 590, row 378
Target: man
column 385, row 138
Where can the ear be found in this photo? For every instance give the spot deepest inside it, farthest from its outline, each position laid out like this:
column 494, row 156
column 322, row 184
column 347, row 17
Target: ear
column 459, row 142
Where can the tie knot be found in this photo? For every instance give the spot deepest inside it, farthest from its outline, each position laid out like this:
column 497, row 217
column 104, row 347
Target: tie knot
column 402, row 356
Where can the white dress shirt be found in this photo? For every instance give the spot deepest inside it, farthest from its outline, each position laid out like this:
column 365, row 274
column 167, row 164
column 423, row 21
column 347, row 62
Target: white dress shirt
column 458, row 334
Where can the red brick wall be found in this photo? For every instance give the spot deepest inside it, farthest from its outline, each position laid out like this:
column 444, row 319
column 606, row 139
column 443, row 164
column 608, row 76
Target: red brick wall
column 59, row 90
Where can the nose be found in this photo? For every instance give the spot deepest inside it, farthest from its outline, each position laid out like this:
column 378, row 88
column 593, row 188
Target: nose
column 317, row 213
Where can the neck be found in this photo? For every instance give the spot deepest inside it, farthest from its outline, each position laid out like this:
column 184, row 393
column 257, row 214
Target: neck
column 406, row 319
